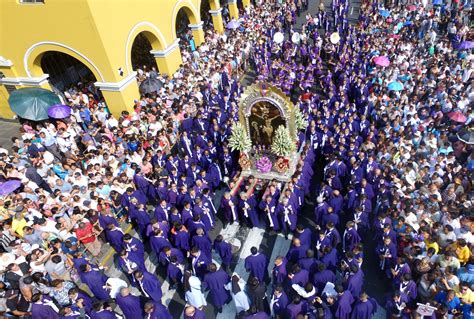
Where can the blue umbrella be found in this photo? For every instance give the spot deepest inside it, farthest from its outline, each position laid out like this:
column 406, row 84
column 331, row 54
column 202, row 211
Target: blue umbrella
column 59, row 111
column 395, row 86
column 9, row 186
column 32, row 103
column 408, row 23
column 384, row 13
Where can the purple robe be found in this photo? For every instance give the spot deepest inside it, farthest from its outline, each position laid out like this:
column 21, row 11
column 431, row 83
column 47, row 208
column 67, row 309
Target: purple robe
column 95, row 280
column 215, row 282
column 42, row 311
column 363, row 310
column 279, row 273
column 350, row 239
column 224, row 250
column 321, row 278
column 293, row 310
column 150, row 286
column 157, row 243
column 257, row 265
column 344, row 302
column 130, row 306
column 102, row 314
column 159, row 312
column 181, row 240
column 204, row 244
column 355, row 283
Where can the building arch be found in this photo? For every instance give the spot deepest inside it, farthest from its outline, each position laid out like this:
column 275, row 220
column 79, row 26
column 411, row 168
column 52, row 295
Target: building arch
column 191, row 12
column 153, row 35
column 33, row 56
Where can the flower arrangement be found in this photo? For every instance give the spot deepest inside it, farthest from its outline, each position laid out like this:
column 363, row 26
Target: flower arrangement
column 300, row 122
column 244, row 161
column 282, row 165
column 283, row 145
column 239, row 140
column 264, row 164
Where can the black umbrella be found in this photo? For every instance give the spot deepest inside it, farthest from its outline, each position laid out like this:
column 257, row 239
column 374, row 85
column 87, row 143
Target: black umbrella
column 467, row 136
column 150, row 85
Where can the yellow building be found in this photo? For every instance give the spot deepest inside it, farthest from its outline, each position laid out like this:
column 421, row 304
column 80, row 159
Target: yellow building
column 100, row 34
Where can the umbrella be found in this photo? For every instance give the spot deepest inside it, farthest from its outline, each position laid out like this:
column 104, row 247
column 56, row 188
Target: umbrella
column 59, row 111
column 467, row 136
column 233, row 25
column 278, row 37
column 457, row 117
column 32, row 103
column 9, row 186
column 384, row 13
column 335, row 38
column 411, row 7
column 295, row 38
column 465, row 45
column 395, row 86
column 150, row 85
column 382, row 61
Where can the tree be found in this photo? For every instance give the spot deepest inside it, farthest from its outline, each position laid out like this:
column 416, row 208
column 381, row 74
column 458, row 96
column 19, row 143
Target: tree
column 283, row 145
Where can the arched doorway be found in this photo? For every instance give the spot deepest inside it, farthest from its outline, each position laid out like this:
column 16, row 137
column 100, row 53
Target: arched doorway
column 140, row 56
column 182, row 25
column 64, row 70
column 206, row 16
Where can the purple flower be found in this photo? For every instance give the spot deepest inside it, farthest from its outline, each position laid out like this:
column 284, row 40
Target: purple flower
column 264, row 164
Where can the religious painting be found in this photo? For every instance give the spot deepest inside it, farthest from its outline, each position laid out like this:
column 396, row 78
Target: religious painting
column 265, row 117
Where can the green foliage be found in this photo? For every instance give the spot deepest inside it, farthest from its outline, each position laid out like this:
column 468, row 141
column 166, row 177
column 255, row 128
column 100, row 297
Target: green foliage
column 283, row 145
column 239, row 140
column 300, row 122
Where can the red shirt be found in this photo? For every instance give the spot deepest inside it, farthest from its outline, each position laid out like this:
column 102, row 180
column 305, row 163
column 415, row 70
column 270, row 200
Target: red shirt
column 86, row 232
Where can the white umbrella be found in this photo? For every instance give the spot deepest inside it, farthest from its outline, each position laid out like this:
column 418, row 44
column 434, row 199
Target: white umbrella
column 335, row 38
column 278, row 37
column 295, row 38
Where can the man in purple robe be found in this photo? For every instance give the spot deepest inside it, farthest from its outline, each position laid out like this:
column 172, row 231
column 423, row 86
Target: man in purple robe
column 114, row 236
column 167, row 253
column 224, row 250
column 295, row 308
column 256, row 264
column 75, row 295
column 135, row 247
column 279, row 272
column 297, row 250
column 191, row 312
column 149, row 285
column 350, row 237
column 215, row 280
column 174, row 272
column 322, row 277
column 343, row 303
column 279, row 302
column 298, row 275
column 129, row 304
column 95, row 280
column 43, row 307
column 365, row 308
column 156, row 310
column 255, row 314
column 203, row 242
column 199, row 262
column 101, row 312
column 355, row 281
column 158, row 241
column 387, row 253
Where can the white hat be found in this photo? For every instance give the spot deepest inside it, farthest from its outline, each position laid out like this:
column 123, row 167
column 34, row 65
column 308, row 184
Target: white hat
column 5, row 260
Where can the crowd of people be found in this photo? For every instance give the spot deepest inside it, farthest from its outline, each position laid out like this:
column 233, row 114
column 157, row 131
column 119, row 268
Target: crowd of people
column 387, row 177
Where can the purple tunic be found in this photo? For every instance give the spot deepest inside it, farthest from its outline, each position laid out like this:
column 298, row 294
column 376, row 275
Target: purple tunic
column 215, row 282
column 257, row 265
column 130, row 306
